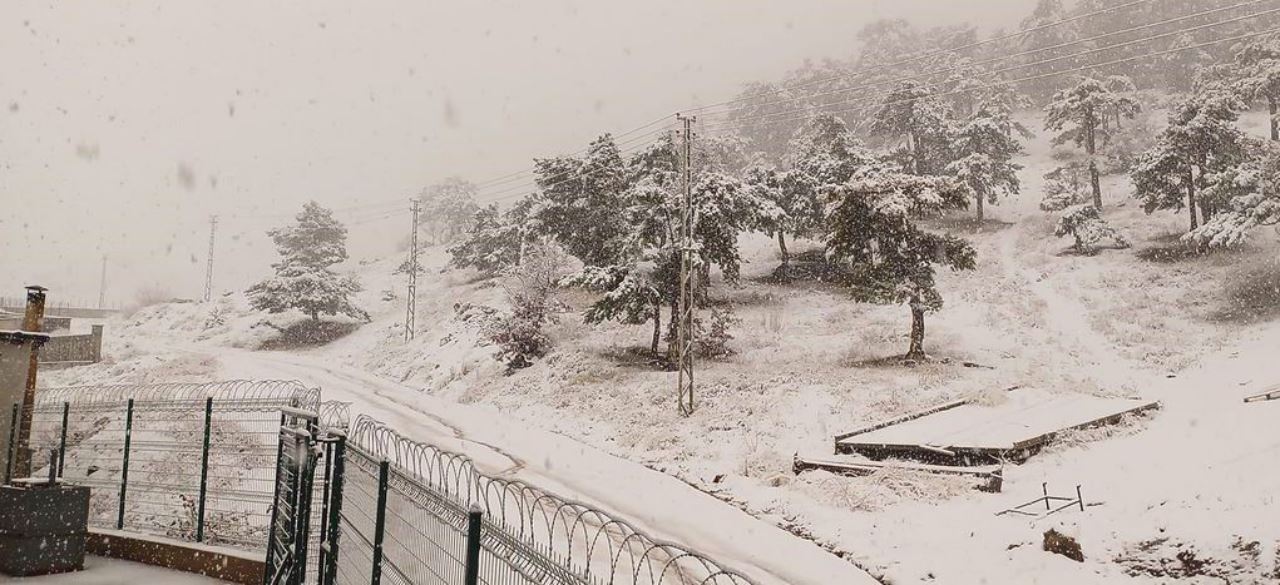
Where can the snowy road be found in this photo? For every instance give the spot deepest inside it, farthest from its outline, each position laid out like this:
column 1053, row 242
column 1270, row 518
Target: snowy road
column 661, row 505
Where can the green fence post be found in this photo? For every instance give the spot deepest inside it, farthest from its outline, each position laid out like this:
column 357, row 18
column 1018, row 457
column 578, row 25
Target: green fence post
column 471, row 574
column 124, row 469
column 275, row 506
column 62, row 443
column 380, row 524
column 329, row 546
column 204, row 469
column 13, row 446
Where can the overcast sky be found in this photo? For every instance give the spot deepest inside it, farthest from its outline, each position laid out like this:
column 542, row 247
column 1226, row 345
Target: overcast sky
column 124, row 125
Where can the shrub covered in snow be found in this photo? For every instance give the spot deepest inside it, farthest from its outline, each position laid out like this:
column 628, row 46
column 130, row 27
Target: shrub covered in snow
column 1091, row 232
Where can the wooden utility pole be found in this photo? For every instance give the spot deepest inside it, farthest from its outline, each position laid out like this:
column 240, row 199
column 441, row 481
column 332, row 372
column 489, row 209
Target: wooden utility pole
column 411, row 308
column 208, row 269
column 688, row 272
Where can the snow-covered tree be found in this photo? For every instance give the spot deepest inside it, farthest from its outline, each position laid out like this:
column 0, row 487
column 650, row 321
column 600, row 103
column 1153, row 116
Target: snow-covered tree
column 1257, row 73
column 910, row 113
column 1085, row 224
column 1065, row 186
column 986, row 145
column 448, row 207
column 580, row 199
column 789, row 201
column 1080, row 116
column 644, row 275
column 304, row 279
column 891, row 259
column 1251, row 192
column 495, row 239
column 1201, row 142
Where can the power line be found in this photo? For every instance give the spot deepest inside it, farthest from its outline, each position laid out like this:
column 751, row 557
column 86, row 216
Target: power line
column 1013, row 81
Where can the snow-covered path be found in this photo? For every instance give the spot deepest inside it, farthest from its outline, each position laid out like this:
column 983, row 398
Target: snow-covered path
column 659, row 504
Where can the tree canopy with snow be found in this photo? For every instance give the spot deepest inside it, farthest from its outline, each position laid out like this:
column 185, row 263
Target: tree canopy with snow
column 579, row 200
column 1080, row 115
column 985, row 145
column 304, row 279
column 921, row 122
column 495, row 239
column 1191, row 155
column 874, row 231
column 448, row 207
column 1250, row 192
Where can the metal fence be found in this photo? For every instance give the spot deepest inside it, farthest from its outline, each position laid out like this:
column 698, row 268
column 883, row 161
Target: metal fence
column 406, row 509
column 192, row 462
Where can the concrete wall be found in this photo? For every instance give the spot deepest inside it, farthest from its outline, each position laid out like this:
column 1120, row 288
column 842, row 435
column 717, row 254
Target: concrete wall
column 85, row 348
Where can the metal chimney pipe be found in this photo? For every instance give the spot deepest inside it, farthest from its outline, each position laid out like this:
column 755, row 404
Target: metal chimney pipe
column 33, row 320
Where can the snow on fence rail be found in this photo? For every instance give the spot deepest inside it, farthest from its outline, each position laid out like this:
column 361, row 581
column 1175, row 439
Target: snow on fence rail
column 186, row 461
column 528, row 535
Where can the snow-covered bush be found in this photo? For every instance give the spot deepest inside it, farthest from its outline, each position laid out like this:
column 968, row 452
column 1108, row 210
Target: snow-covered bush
column 1085, row 224
column 531, row 290
column 713, row 340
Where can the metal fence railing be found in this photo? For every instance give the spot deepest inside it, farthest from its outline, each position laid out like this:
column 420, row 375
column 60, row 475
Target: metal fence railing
column 407, row 508
column 192, row 462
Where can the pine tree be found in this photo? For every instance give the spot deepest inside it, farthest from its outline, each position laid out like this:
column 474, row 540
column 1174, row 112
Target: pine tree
column 1257, row 74
column 891, row 258
column 304, row 279
column 1200, row 143
column 789, row 202
column 986, row 145
column 1251, row 195
column 579, row 201
column 911, row 114
column 448, row 208
column 495, row 240
column 1080, row 115
column 645, row 272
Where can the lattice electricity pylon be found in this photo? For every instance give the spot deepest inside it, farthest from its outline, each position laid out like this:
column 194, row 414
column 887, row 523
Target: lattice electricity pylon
column 688, row 274
column 208, row 269
column 411, row 304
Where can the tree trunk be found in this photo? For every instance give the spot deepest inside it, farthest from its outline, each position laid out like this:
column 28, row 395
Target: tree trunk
column 786, row 259
column 980, row 198
column 1273, row 104
column 657, row 328
column 1191, row 198
column 1091, row 147
column 916, row 351
column 916, row 153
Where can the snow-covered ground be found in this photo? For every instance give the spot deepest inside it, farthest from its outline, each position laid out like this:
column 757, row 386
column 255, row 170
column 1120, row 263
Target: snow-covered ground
column 103, row 571
column 1188, row 490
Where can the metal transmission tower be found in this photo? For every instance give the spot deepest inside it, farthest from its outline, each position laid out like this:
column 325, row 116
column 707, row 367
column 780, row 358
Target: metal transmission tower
column 410, row 310
column 688, row 272
column 102, row 284
column 208, row 269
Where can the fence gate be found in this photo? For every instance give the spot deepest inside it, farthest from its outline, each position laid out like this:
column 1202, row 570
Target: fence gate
column 289, row 531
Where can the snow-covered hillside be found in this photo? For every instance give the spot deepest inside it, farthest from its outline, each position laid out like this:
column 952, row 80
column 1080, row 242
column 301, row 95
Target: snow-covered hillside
column 1193, row 331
